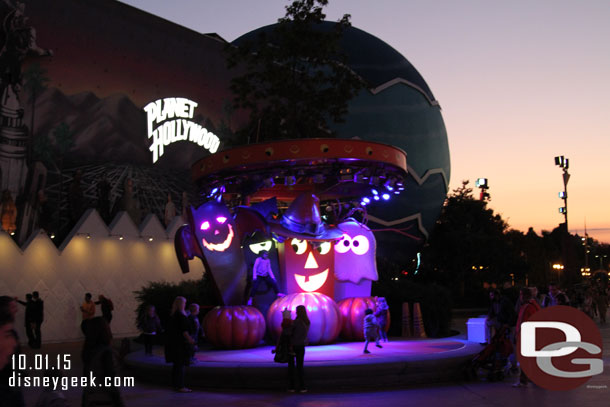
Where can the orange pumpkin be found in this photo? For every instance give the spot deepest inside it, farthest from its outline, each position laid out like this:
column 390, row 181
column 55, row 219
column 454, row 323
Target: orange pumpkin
column 322, row 311
column 234, row 327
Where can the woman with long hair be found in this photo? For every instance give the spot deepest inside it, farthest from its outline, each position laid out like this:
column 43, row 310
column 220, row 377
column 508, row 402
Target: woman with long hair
column 179, row 345
column 299, row 341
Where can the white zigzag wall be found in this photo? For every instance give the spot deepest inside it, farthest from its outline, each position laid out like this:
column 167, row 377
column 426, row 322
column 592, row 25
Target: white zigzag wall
column 91, row 259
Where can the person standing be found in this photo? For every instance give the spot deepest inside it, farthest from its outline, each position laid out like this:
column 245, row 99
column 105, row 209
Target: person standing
column 262, row 271
column 371, row 330
column 528, row 308
column 170, row 210
column 300, row 330
column 600, row 297
column 29, row 321
column 37, row 318
column 107, row 307
column 381, row 313
column 179, row 345
column 150, row 325
column 501, row 313
column 98, row 361
column 88, row 310
column 551, row 299
column 195, row 329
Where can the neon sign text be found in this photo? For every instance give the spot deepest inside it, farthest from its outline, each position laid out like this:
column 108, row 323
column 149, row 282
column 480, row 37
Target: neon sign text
column 168, row 123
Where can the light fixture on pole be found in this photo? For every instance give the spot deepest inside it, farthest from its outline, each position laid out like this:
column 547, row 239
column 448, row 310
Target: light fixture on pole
column 601, row 258
column 483, row 185
column 564, row 164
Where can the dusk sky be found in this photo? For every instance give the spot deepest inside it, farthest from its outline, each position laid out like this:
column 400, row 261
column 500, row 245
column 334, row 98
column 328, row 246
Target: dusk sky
column 519, row 83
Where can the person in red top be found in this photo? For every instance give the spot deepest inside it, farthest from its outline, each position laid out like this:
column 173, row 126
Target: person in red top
column 529, row 308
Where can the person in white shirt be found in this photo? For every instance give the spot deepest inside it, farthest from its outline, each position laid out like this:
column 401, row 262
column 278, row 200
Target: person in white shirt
column 262, row 271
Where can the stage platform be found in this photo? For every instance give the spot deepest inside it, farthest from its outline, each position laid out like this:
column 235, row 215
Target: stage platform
column 401, row 362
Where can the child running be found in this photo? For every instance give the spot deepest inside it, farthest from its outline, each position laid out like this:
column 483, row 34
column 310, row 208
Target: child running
column 371, row 330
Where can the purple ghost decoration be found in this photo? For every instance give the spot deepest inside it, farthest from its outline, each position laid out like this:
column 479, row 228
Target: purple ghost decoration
column 355, row 265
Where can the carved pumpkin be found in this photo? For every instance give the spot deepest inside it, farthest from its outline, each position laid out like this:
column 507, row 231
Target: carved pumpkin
column 322, row 311
column 234, row 327
column 352, row 312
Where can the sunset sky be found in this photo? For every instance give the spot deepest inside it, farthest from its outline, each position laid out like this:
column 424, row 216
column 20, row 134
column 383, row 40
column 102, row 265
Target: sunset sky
column 519, row 83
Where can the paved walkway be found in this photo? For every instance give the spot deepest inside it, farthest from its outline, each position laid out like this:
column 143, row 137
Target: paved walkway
column 595, row 393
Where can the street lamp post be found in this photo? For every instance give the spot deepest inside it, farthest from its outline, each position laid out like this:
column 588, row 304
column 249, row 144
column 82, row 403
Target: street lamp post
column 558, row 267
column 564, row 164
column 601, row 258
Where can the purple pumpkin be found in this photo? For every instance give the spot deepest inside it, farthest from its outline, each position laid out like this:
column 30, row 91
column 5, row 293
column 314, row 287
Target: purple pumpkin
column 322, row 311
column 234, row 327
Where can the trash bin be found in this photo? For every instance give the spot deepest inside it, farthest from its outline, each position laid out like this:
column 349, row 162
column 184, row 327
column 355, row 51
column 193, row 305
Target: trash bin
column 476, row 329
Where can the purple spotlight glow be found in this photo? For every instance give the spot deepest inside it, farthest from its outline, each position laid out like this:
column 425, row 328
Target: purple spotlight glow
column 366, row 200
column 376, row 197
column 374, row 191
column 385, row 196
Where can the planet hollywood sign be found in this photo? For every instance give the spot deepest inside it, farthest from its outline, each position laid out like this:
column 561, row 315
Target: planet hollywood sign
column 168, row 122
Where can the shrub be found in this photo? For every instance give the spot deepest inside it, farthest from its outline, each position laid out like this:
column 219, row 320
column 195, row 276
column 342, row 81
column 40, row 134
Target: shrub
column 162, row 295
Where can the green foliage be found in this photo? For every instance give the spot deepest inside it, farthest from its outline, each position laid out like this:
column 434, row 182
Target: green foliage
column 296, row 78
column 162, row 295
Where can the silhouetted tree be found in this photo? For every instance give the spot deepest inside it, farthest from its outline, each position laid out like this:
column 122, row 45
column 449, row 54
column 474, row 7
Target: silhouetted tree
column 469, row 246
column 296, row 78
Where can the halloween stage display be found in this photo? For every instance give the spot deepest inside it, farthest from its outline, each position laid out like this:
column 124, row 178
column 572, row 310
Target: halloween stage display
column 269, row 197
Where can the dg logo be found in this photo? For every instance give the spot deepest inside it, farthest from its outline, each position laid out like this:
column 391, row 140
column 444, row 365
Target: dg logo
column 560, row 348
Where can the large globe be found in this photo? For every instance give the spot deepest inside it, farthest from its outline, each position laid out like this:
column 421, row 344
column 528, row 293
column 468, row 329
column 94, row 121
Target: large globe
column 398, row 108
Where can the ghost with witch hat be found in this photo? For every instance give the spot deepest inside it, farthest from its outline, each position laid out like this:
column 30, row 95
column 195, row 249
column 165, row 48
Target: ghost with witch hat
column 306, row 255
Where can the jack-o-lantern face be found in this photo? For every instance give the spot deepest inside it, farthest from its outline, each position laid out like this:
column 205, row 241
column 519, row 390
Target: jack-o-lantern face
column 214, row 227
column 308, row 266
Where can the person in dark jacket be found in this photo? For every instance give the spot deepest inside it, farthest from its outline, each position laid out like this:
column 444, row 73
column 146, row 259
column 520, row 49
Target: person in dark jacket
column 37, row 318
column 98, row 361
column 150, row 325
column 528, row 308
column 501, row 313
column 195, row 329
column 107, row 307
column 29, row 321
column 179, row 345
column 300, row 330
